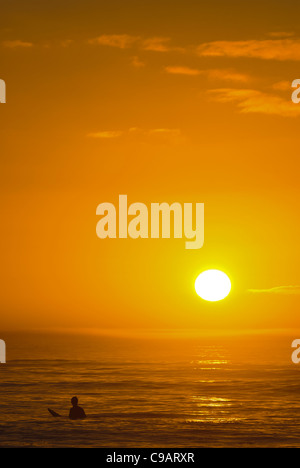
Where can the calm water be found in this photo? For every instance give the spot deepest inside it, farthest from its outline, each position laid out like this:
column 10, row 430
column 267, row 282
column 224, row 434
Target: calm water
column 222, row 392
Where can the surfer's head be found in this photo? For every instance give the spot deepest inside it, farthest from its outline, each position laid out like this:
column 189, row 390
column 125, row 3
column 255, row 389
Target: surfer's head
column 74, row 401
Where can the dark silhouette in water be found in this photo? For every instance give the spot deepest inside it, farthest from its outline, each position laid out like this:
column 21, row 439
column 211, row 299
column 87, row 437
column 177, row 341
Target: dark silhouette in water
column 76, row 412
column 54, row 414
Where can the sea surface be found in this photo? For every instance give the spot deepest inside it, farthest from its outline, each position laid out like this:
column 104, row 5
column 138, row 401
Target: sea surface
column 150, row 391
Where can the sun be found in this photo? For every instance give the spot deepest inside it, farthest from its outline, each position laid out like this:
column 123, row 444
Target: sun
column 213, row 285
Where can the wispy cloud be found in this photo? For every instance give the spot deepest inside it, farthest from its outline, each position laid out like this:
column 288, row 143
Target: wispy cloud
column 126, row 41
column 228, row 75
column 160, row 133
column 183, row 71
column 170, row 132
column 137, row 62
column 106, row 135
column 277, row 290
column 270, row 49
column 17, row 44
column 66, row 42
column 253, row 101
column 121, row 41
column 157, row 44
column 281, row 34
column 218, row 74
column 282, row 86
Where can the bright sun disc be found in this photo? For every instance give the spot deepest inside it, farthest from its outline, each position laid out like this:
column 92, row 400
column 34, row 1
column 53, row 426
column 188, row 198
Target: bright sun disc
column 213, row 285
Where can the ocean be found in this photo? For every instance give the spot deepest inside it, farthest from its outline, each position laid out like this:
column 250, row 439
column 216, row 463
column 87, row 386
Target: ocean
column 150, row 391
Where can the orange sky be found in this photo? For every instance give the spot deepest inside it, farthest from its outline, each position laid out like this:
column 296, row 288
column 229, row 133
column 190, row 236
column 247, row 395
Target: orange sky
column 162, row 101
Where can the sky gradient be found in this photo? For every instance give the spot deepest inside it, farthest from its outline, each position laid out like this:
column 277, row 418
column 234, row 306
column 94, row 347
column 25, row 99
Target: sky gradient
column 164, row 101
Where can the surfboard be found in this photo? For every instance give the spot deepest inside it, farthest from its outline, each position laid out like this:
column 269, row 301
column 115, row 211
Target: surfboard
column 55, row 415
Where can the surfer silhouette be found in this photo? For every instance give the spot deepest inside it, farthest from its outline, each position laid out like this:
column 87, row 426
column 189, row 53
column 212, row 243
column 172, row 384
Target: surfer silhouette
column 76, row 412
